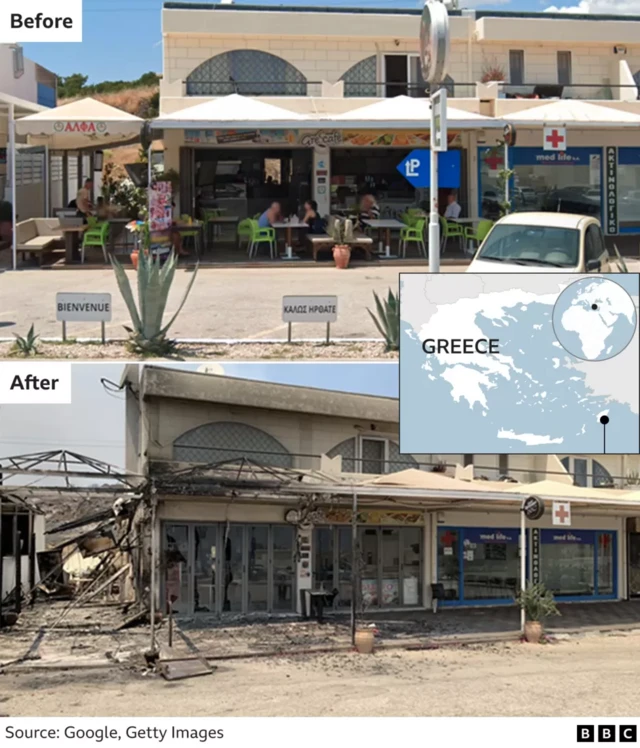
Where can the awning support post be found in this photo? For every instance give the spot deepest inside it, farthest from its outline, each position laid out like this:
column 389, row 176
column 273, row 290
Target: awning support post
column 12, row 173
column 354, row 565
column 523, row 564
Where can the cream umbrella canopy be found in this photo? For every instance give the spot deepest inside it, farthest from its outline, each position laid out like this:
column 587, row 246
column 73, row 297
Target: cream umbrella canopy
column 86, row 123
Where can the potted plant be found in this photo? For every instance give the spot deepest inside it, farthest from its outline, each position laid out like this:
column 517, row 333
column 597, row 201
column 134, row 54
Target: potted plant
column 364, row 638
column 538, row 603
column 341, row 231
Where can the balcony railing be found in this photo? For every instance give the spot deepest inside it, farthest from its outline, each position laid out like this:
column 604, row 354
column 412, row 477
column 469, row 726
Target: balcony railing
column 361, row 89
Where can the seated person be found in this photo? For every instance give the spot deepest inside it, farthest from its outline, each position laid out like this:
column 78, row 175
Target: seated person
column 312, row 219
column 270, row 216
column 453, row 209
column 84, row 205
column 369, row 209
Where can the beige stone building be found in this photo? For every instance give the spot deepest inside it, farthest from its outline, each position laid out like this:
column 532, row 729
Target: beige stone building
column 327, row 62
column 255, row 484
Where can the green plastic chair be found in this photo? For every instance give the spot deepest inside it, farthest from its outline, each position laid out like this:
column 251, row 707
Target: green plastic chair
column 450, row 230
column 480, row 233
column 413, row 234
column 190, row 233
column 96, row 235
column 262, row 236
column 245, row 231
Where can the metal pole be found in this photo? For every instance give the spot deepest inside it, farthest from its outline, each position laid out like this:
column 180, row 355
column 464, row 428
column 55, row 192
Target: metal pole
column 354, row 565
column 17, row 560
column 149, row 177
column 154, row 560
column 32, row 560
column 506, row 181
column 14, row 207
column 64, row 332
column 103, row 332
column 523, row 563
column 1, row 563
column 47, row 198
column 434, row 214
column 289, row 332
column 328, row 332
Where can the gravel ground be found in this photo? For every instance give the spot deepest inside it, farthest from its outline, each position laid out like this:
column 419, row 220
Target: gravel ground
column 187, row 351
column 557, row 679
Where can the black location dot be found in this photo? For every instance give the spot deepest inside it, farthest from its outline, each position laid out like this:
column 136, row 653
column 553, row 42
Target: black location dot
column 604, row 420
column 594, row 307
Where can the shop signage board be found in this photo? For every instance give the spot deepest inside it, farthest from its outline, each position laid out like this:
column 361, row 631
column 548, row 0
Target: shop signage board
column 415, row 168
column 561, row 514
column 373, row 517
column 535, row 555
column 611, row 188
column 554, row 139
column 309, row 309
column 490, row 535
column 528, row 156
column 533, row 508
column 83, row 307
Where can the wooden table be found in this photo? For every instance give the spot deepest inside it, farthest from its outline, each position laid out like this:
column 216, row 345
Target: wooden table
column 289, row 226
column 72, row 236
column 387, row 225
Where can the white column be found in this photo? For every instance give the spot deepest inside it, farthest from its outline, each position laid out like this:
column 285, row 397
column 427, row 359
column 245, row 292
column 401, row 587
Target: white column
column 523, row 563
column 11, row 153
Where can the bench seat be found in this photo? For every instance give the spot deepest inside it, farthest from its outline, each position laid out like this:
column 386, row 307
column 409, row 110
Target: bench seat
column 321, row 242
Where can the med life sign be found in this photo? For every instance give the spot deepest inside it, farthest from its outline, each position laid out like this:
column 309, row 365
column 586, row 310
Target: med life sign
column 415, row 168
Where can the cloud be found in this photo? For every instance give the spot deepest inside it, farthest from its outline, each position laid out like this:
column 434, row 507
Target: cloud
column 605, row 7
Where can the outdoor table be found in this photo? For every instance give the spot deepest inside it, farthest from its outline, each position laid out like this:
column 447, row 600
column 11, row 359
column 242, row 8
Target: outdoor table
column 221, row 221
column 289, row 226
column 387, row 225
column 72, row 242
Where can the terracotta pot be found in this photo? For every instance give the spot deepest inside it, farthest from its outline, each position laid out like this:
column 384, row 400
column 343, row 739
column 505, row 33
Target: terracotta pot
column 134, row 259
column 533, row 632
column 364, row 641
column 342, row 255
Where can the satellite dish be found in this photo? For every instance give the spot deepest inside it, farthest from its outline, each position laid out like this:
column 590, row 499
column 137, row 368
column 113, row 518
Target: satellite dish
column 434, row 41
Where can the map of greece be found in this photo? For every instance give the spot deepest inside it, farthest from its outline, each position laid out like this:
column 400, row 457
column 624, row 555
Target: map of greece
column 532, row 362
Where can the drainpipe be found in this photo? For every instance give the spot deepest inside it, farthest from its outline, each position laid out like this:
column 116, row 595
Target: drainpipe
column 14, row 211
column 523, row 563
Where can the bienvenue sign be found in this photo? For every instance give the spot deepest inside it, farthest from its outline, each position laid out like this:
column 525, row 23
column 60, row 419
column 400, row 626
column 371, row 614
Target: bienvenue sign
column 83, row 307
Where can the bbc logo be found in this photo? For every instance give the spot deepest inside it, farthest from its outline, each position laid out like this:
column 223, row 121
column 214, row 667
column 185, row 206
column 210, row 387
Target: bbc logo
column 607, row 733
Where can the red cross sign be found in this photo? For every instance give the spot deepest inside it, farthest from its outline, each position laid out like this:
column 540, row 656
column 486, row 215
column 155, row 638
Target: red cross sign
column 493, row 161
column 561, row 514
column 555, row 139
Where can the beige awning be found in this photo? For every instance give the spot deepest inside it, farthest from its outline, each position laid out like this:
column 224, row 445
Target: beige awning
column 554, row 489
column 409, row 112
column 231, row 112
column 569, row 112
column 84, row 123
column 420, row 479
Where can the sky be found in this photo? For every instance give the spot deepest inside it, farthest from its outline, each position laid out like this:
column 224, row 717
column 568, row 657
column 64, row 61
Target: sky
column 94, row 424
column 122, row 38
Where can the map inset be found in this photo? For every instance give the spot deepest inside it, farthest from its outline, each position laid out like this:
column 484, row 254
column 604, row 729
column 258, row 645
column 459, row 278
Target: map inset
column 519, row 362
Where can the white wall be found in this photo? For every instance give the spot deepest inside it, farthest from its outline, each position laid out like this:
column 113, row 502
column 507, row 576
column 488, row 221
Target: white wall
column 26, row 86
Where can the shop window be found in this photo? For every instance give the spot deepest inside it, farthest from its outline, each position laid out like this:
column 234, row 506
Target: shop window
column 578, row 563
column 248, row 72
column 360, row 79
column 7, row 534
column 629, row 188
column 371, row 455
column 478, row 564
column 516, row 67
column 564, row 68
column 218, row 442
column 587, row 473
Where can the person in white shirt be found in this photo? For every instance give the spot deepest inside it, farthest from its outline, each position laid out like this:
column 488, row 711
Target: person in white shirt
column 453, row 209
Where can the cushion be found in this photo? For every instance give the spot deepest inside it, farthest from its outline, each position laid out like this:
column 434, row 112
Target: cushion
column 37, row 243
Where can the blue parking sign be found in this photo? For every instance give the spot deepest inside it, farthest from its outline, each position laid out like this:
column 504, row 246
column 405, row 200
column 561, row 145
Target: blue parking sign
column 416, row 169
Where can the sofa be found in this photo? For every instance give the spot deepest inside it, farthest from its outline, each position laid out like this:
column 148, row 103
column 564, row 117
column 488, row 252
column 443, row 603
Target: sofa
column 37, row 236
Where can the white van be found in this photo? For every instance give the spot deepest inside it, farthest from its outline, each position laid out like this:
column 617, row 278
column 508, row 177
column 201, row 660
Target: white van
column 543, row 243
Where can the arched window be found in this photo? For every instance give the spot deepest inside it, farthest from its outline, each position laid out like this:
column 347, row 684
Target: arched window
column 371, row 455
column 248, row 72
column 360, row 79
column 587, row 473
column 216, row 442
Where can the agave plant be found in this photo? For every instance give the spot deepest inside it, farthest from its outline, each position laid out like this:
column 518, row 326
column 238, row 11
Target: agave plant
column 148, row 336
column 387, row 319
column 341, row 231
column 26, row 346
